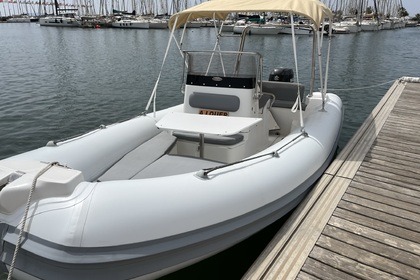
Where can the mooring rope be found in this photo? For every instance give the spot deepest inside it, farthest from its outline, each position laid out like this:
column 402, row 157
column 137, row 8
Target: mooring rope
column 360, row 88
column 25, row 216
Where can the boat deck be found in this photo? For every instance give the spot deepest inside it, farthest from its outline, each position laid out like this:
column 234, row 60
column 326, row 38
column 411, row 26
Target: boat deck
column 362, row 220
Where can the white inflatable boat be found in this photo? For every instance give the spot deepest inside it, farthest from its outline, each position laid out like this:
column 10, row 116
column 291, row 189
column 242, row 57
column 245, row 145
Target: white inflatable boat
column 145, row 197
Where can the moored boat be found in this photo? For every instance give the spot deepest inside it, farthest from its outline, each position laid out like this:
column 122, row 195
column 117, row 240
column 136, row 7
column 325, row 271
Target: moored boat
column 63, row 20
column 129, row 22
column 347, row 26
column 302, row 29
column 158, row 24
column 258, row 29
column 369, row 25
column 148, row 196
column 24, row 18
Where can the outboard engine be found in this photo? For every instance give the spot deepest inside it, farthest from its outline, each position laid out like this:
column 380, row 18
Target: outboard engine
column 281, row 75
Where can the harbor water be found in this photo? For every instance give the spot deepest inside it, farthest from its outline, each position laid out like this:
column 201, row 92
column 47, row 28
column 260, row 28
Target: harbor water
column 59, row 82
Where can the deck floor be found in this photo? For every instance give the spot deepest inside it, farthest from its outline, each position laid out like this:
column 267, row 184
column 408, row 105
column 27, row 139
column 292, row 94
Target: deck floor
column 362, row 220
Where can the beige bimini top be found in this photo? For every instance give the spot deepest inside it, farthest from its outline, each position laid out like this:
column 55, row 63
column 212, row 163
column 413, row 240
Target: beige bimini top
column 313, row 10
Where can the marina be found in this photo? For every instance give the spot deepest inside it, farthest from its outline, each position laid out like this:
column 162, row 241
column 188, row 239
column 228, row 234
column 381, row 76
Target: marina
column 361, row 219
column 339, row 40
column 349, row 17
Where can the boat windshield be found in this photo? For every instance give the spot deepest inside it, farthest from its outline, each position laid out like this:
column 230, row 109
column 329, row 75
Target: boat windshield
column 223, row 64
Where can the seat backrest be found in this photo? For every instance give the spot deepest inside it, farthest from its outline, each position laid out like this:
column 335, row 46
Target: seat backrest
column 285, row 93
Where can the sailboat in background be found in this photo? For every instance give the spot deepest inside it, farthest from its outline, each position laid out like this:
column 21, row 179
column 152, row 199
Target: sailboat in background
column 147, row 19
column 365, row 15
column 61, row 20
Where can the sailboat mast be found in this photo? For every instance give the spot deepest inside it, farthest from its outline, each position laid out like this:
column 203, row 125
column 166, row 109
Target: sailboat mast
column 56, row 7
column 375, row 14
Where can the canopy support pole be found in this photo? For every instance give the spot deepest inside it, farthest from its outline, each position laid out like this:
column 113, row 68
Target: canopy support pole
column 298, row 103
column 324, row 91
column 153, row 95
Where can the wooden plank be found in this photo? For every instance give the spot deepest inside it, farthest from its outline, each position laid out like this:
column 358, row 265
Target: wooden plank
column 411, row 183
column 379, row 189
column 367, row 244
column 387, row 151
column 324, row 271
column 408, row 103
column 348, row 265
column 376, row 220
column 305, row 276
column 375, row 234
column 386, row 183
column 375, row 200
column 388, row 140
column 379, row 155
column 379, row 203
column 404, row 175
column 402, row 120
column 400, row 134
column 405, row 119
column 399, row 131
column 406, row 166
column 386, row 266
column 409, row 113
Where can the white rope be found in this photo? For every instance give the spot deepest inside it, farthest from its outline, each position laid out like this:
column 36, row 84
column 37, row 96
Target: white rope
column 360, row 88
column 25, row 216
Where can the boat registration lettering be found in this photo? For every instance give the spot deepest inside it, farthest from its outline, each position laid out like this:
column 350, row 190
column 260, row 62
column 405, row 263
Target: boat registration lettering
column 213, row 113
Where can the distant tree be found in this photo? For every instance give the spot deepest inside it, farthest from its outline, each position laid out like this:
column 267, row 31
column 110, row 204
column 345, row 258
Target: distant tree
column 338, row 15
column 417, row 17
column 369, row 10
column 353, row 11
column 402, row 12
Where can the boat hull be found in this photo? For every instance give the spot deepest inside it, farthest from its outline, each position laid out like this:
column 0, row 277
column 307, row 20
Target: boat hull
column 88, row 263
column 131, row 24
column 59, row 22
column 146, row 228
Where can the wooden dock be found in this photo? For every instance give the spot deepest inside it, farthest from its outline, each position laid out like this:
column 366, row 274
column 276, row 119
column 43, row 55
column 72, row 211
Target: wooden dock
column 362, row 219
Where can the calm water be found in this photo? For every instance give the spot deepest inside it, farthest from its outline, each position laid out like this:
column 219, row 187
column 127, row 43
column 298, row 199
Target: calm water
column 58, row 82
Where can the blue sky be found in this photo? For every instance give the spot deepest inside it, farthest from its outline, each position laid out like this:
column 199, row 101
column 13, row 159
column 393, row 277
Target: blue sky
column 412, row 6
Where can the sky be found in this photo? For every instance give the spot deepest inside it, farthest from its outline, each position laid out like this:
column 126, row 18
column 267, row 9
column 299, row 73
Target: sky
column 412, row 6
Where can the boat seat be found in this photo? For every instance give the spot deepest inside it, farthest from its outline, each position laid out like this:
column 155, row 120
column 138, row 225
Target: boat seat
column 210, row 139
column 266, row 100
column 139, row 158
column 285, row 93
column 172, row 165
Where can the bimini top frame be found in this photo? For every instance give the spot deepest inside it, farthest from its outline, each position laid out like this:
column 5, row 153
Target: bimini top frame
column 314, row 10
